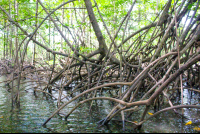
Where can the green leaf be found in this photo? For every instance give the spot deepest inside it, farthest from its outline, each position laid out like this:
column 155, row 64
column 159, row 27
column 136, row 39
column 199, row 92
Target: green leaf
column 46, row 26
column 22, row 1
column 190, row 6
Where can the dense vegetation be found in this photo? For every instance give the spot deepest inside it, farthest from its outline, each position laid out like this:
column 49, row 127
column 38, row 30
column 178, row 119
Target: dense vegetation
column 141, row 51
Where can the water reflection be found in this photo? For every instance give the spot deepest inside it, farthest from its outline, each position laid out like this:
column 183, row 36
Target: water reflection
column 35, row 110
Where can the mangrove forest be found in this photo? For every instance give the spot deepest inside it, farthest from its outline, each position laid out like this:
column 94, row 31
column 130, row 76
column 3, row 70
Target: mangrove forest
column 100, row 66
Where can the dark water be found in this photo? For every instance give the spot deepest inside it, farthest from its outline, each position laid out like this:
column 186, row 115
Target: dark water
column 35, row 110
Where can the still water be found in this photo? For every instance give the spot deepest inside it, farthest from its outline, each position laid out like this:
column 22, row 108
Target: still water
column 34, row 110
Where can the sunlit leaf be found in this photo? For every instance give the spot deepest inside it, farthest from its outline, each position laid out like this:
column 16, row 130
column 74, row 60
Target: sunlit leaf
column 188, row 123
column 1, row 117
column 150, row 113
column 81, row 48
column 196, row 128
column 23, row 1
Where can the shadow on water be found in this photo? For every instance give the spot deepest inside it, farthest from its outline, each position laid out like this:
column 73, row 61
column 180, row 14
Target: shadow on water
column 35, row 110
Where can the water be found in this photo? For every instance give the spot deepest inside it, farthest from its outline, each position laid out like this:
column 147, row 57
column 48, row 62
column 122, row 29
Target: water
column 34, row 110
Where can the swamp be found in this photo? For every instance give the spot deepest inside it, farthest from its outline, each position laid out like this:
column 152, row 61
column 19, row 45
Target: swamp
column 100, row 66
